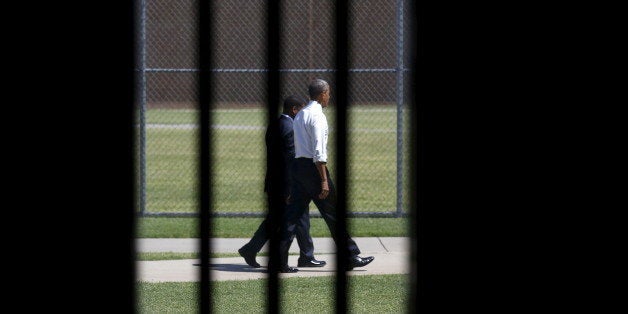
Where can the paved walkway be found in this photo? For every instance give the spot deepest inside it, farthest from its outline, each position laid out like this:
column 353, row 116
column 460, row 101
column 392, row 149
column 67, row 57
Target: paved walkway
column 391, row 257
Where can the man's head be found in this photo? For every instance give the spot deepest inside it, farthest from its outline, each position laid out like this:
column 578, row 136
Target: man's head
column 292, row 105
column 319, row 90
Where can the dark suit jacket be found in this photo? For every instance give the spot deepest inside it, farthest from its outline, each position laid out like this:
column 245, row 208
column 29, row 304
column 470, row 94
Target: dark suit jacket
column 285, row 135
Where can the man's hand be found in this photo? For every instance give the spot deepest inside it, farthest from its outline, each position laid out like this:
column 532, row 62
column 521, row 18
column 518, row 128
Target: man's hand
column 322, row 171
column 324, row 190
column 288, row 200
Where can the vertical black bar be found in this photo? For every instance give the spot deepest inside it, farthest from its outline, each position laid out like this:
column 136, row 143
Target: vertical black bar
column 204, row 99
column 341, row 77
column 275, row 206
column 129, row 91
column 416, row 294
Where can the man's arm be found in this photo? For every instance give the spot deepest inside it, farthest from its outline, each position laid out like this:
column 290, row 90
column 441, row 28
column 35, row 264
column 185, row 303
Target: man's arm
column 319, row 140
column 287, row 154
column 322, row 172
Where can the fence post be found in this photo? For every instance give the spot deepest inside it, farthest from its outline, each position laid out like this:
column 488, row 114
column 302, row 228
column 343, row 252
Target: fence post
column 399, row 107
column 142, row 113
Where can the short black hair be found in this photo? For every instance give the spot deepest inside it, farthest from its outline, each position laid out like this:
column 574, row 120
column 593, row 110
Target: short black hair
column 292, row 101
column 317, row 87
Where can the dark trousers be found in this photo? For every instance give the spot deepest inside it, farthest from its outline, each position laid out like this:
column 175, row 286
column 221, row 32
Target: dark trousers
column 306, row 186
column 302, row 231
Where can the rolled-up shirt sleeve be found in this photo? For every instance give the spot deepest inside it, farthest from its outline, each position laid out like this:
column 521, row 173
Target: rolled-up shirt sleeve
column 319, row 138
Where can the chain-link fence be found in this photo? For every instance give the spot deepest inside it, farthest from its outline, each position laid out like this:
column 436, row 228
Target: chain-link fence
column 168, row 113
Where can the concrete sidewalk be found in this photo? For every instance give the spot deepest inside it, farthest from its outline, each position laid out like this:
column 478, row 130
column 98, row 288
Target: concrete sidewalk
column 391, row 257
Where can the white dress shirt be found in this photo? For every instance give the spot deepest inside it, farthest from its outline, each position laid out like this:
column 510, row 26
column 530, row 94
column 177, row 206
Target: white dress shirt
column 310, row 132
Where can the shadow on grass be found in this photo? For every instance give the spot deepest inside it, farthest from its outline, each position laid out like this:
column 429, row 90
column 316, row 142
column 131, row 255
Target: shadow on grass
column 248, row 269
column 314, row 270
column 235, row 267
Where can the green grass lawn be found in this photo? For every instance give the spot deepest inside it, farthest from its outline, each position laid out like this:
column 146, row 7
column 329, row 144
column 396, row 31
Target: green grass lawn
column 367, row 294
column 187, row 227
column 238, row 154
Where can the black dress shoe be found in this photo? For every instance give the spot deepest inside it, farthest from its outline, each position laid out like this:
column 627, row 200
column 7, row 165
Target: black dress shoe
column 357, row 261
column 249, row 258
column 311, row 263
column 288, row 269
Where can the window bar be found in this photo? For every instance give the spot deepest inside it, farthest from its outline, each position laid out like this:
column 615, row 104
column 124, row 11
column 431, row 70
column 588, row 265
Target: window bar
column 416, row 293
column 131, row 194
column 341, row 91
column 275, row 202
column 205, row 90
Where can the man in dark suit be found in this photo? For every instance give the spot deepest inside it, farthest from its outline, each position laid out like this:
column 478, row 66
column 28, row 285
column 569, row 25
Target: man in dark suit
column 291, row 106
column 311, row 181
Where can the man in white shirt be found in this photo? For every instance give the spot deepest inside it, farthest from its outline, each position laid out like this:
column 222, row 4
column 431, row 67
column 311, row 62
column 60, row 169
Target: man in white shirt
column 285, row 135
column 310, row 177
